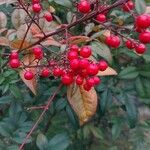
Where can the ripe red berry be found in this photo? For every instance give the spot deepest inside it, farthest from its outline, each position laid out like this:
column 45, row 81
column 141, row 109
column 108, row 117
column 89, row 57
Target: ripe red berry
column 83, row 63
column 102, row 65
column 143, row 21
column 48, row 16
column 72, row 55
column 36, row 7
column 74, row 48
column 14, row 55
column 84, row 6
column 57, row 72
column 74, row 64
column 35, row 1
column 140, row 48
column 79, row 80
column 87, row 87
column 83, row 73
column 14, row 63
column 67, row 79
column 38, row 52
column 113, row 41
column 144, row 37
column 90, row 82
column 85, row 52
column 45, row 72
column 96, row 80
column 28, row 75
column 101, row 18
column 128, row 6
column 92, row 69
column 129, row 44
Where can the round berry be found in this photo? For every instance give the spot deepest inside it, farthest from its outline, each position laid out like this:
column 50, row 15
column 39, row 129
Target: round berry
column 14, row 55
column 128, row 6
column 101, row 18
column 28, row 75
column 143, row 21
column 92, row 69
column 74, row 64
column 48, row 16
column 140, row 48
column 57, row 72
column 36, row 7
column 96, row 80
column 79, row 80
column 144, row 37
column 72, row 55
column 85, row 52
column 67, row 79
column 38, row 52
column 87, row 87
column 113, row 41
column 83, row 63
column 102, row 65
column 14, row 63
column 129, row 44
column 45, row 72
column 35, row 1
column 74, row 48
column 90, row 82
column 83, row 73
column 84, row 6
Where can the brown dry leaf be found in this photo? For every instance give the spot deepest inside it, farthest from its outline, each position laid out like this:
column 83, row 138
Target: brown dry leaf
column 35, row 29
column 3, row 30
column 78, row 39
column 83, row 103
column 31, row 84
column 3, row 20
column 108, row 72
column 17, row 43
column 51, row 41
column 4, row 41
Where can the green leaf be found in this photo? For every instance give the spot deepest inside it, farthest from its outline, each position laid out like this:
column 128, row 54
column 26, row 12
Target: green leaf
column 116, row 130
column 140, row 6
column 59, row 142
column 5, row 99
column 145, row 70
column 65, row 3
column 129, row 73
column 102, row 50
column 41, row 141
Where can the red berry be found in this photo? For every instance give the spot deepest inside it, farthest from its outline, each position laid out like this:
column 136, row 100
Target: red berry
column 92, row 69
column 79, row 80
column 85, row 52
column 35, row 1
column 129, row 44
column 90, row 82
column 96, row 80
column 101, row 18
column 14, row 63
column 72, row 55
column 48, row 16
column 102, row 65
column 74, row 64
column 113, row 41
column 36, row 7
column 144, row 37
column 14, row 55
column 128, row 6
column 143, row 21
column 45, row 72
column 140, row 48
column 83, row 63
column 74, row 48
column 83, row 73
column 38, row 52
column 87, row 87
column 67, row 79
column 84, row 6
column 28, row 75
column 57, row 72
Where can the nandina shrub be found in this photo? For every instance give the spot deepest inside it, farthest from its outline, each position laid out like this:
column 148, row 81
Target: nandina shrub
column 74, row 74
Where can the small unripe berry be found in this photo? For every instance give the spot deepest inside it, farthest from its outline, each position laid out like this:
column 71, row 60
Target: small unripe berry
column 84, row 6
column 85, row 52
column 14, row 63
column 28, row 75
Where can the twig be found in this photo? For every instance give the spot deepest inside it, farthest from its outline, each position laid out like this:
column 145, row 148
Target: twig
column 40, row 117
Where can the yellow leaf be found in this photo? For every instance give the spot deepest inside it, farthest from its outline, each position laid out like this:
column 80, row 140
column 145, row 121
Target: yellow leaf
column 84, row 103
column 108, row 72
column 31, row 84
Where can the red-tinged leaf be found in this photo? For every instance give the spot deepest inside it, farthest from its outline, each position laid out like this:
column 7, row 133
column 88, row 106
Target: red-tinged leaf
column 35, row 29
column 51, row 41
column 31, row 84
column 3, row 30
column 4, row 41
